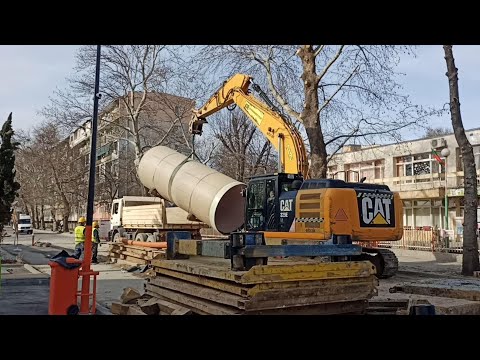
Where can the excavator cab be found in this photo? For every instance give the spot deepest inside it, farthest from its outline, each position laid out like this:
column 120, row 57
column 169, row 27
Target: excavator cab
column 270, row 202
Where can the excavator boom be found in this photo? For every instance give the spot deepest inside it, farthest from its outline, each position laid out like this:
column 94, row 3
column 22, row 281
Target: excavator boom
column 282, row 134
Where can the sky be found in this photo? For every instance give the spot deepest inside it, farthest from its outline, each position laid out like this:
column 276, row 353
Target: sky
column 30, row 74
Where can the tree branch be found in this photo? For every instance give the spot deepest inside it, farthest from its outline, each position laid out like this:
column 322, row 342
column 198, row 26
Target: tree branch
column 330, row 63
column 277, row 95
column 325, row 104
column 318, row 50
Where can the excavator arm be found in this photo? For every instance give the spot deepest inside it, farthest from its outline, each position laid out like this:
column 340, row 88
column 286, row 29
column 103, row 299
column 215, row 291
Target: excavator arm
column 283, row 135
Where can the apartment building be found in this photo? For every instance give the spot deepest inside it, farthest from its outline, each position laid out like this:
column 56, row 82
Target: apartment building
column 412, row 169
column 163, row 119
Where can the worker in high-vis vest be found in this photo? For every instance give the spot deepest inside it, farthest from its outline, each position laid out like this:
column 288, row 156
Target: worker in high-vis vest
column 95, row 241
column 79, row 238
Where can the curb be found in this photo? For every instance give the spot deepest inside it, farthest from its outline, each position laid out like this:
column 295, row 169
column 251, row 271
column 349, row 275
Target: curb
column 31, row 269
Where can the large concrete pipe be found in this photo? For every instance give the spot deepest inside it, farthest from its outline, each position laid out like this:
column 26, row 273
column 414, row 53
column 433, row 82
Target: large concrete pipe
column 212, row 197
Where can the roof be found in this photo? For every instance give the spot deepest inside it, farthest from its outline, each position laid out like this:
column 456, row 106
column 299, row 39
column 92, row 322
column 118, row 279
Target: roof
column 369, row 147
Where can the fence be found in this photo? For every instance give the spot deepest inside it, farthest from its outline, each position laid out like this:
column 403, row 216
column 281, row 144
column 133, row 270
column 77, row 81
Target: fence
column 424, row 239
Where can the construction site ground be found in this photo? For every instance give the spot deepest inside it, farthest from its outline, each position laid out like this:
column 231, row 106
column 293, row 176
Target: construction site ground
column 26, row 282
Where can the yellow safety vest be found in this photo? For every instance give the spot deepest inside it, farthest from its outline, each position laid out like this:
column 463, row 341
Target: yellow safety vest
column 93, row 235
column 79, row 234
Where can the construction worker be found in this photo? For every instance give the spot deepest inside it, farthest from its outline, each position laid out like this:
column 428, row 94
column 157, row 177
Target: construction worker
column 79, row 237
column 95, row 242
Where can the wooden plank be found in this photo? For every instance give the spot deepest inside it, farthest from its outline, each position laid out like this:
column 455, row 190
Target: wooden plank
column 150, row 307
column 183, row 311
column 278, row 272
column 134, row 260
column 142, row 253
column 307, row 288
column 348, row 293
column 203, row 266
column 134, row 310
column 119, row 308
column 166, row 306
column 355, row 307
column 469, row 293
column 230, row 287
column 128, row 253
column 198, row 291
column 129, row 295
column 171, row 302
column 205, row 306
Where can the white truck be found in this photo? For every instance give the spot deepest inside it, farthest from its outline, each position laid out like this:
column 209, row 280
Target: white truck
column 143, row 218
column 24, row 224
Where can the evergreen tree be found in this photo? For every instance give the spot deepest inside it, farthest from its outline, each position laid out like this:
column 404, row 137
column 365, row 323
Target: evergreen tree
column 8, row 185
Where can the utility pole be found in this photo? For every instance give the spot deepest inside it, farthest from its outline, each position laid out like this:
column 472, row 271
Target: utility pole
column 87, row 259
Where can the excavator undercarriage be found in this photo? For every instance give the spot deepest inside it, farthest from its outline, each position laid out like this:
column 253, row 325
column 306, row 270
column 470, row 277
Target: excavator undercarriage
column 385, row 261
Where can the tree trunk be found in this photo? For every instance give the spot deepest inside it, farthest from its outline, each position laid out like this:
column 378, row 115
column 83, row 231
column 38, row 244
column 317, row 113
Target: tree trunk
column 32, row 216
column 66, row 213
column 310, row 116
column 470, row 245
column 42, row 218
column 65, row 222
column 37, row 217
column 54, row 220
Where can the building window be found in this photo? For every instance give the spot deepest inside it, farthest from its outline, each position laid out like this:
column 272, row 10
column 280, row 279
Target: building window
column 421, row 213
column 371, row 170
column 417, row 165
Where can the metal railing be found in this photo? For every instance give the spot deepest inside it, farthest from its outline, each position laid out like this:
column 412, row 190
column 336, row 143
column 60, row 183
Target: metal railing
column 423, row 239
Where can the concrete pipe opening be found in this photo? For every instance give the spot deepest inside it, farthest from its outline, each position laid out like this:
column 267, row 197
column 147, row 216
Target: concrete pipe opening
column 229, row 210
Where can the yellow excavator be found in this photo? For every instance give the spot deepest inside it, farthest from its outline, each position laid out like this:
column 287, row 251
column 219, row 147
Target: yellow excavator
column 288, row 206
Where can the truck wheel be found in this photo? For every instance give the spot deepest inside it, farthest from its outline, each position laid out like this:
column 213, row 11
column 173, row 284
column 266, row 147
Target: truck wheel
column 151, row 238
column 116, row 237
column 141, row 237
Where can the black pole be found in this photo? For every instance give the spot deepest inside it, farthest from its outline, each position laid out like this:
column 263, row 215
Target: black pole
column 87, row 259
column 93, row 145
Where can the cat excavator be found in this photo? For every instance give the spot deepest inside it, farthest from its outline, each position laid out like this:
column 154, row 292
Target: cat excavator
column 288, row 206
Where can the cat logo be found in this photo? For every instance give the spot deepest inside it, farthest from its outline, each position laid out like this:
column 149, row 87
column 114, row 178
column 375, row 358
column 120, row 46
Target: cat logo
column 286, row 205
column 376, row 209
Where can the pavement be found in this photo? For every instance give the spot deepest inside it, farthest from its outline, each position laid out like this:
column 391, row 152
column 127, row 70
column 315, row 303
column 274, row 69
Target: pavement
column 31, row 296
column 110, row 282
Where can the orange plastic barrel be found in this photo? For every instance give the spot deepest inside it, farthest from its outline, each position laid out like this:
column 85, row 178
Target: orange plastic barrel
column 63, row 288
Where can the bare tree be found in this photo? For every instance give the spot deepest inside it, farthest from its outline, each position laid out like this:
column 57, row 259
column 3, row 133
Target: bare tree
column 135, row 81
column 470, row 261
column 34, row 193
column 334, row 93
column 436, row 132
column 242, row 150
column 60, row 177
column 137, row 108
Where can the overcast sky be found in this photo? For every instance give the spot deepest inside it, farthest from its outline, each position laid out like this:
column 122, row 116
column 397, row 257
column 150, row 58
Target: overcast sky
column 29, row 75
